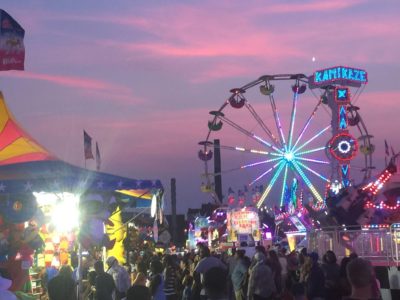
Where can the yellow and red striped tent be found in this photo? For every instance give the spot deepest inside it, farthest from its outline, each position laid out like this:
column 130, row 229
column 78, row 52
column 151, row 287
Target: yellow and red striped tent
column 25, row 165
column 16, row 145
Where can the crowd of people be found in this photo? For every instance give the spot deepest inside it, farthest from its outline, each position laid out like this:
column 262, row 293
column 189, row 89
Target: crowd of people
column 201, row 275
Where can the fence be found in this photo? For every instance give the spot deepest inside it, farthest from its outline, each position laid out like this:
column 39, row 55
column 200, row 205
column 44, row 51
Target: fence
column 381, row 244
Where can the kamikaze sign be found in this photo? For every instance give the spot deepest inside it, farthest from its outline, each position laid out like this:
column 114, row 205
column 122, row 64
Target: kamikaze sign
column 12, row 50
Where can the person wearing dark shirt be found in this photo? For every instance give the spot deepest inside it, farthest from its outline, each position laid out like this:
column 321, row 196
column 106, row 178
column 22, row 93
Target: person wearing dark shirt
column 62, row 286
column 316, row 280
column 105, row 286
column 137, row 292
column 170, row 277
column 364, row 284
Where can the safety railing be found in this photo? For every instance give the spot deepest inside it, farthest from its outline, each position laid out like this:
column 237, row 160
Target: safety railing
column 375, row 243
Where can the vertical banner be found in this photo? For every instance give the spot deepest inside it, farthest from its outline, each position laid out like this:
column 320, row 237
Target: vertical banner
column 87, row 146
column 98, row 158
column 12, row 50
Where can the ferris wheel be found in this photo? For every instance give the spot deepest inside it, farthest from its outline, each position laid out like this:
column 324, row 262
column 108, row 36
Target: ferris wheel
column 317, row 142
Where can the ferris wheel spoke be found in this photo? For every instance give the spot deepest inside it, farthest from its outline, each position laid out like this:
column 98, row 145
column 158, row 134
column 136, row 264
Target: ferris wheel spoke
column 247, row 150
column 314, row 172
column 317, row 161
column 277, row 121
column 292, row 118
column 313, row 138
column 245, row 167
column 265, row 173
column 310, row 151
column 284, row 184
column 271, row 184
column 307, row 181
column 249, row 134
column 307, row 124
column 263, row 125
column 259, row 163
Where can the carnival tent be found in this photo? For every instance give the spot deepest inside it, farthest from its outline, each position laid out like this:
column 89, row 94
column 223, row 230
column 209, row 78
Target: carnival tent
column 26, row 166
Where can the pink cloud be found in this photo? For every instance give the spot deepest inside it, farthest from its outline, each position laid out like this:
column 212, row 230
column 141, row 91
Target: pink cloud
column 86, row 85
column 228, row 31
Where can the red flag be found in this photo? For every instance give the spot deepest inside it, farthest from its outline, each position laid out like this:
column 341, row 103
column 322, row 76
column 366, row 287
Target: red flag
column 12, row 49
column 98, row 158
column 87, row 145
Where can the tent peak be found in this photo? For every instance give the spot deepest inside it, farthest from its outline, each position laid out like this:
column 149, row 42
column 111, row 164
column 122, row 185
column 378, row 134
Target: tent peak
column 16, row 145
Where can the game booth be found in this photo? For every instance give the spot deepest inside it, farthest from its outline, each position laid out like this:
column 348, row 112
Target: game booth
column 52, row 213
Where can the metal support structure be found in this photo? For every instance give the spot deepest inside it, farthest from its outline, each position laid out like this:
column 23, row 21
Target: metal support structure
column 173, row 208
column 217, row 170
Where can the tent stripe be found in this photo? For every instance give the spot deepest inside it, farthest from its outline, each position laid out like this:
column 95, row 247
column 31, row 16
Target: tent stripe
column 15, row 144
column 9, row 134
column 25, row 158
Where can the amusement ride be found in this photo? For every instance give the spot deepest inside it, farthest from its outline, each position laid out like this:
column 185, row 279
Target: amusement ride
column 314, row 144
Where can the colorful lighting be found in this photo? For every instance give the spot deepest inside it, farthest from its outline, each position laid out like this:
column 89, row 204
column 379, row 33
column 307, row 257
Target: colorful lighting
column 339, row 74
column 382, row 205
column 375, row 226
column 374, row 187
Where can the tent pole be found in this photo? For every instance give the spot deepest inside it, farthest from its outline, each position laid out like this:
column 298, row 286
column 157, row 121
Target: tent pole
column 79, row 291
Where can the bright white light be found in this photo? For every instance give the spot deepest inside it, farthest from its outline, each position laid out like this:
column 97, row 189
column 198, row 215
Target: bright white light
column 336, row 187
column 63, row 208
column 313, row 59
column 288, row 156
column 153, row 208
column 344, row 147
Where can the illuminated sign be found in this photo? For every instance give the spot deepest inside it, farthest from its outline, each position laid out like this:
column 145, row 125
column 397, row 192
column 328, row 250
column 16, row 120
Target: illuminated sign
column 342, row 95
column 243, row 221
column 340, row 75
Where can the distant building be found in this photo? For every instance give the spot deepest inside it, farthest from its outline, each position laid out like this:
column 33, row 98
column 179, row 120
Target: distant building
column 181, row 226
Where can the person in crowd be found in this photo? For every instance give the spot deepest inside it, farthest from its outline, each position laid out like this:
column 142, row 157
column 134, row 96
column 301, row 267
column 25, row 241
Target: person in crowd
column 299, row 292
column 171, row 278
column 215, row 280
column 88, row 292
column 293, row 275
column 261, row 281
column 331, row 272
column 231, row 263
column 156, row 281
column 141, row 274
column 284, row 266
column 138, row 292
column 121, row 277
column 239, row 275
column 344, row 284
column 363, row 282
column 62, row 286
column 5, row 284
column 315, row 282
column 186, row 279
column 104, row 285
column 206, row 263
column 274, row 264
column 302, row 256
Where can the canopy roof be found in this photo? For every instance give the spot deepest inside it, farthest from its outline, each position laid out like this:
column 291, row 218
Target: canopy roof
column 26, row 166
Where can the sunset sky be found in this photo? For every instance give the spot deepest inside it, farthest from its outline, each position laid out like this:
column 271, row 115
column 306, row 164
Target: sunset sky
column 141, row 76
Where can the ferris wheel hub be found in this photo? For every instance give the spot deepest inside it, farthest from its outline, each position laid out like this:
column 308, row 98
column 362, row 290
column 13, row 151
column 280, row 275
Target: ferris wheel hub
column 289, row 156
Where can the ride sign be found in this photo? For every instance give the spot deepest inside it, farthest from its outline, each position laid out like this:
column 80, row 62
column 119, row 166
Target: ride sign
column 341, row 75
